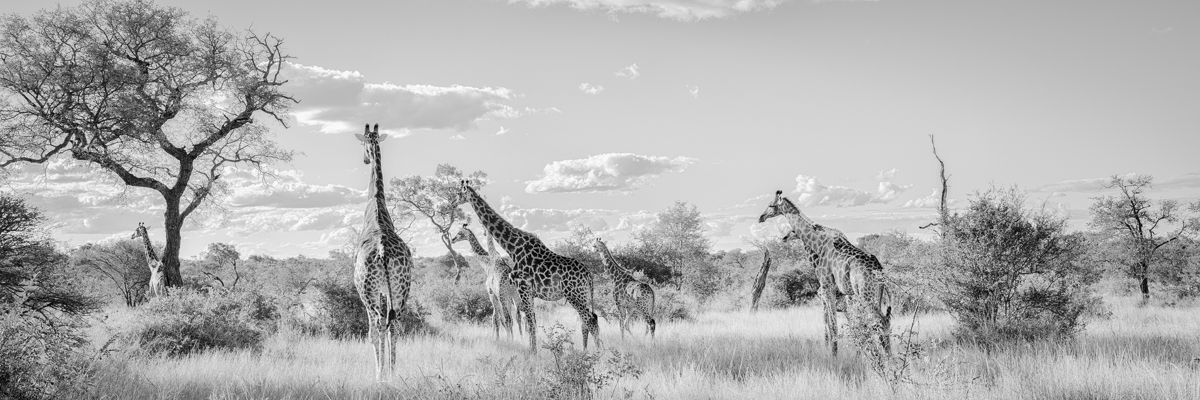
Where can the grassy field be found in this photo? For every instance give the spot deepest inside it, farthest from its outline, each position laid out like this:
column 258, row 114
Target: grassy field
column 1140, row 353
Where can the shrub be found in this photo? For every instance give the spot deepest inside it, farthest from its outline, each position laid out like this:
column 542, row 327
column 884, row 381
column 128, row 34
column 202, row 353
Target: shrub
column 798, row 286
column 338, row 312
column 467, row 303
column 672, row 305
column 1009, row 273
column 188, row 321
column 37, row 362
column 579, row 374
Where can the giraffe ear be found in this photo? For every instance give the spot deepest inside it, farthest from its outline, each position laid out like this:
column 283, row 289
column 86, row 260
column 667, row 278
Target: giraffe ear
column 381, row 138
column 360, row 137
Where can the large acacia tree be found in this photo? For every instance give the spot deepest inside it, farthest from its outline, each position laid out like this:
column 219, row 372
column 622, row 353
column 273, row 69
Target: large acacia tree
column 157, row 99
column 433, row 197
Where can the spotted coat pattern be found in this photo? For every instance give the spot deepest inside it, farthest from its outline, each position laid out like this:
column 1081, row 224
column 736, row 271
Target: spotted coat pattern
column 537, row 271
column 157, row 285
column 502, row 293
column 632, row 297
column 842, row 268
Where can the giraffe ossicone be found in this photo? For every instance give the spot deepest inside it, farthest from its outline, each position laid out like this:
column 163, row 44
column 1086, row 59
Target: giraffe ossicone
column 383, row 268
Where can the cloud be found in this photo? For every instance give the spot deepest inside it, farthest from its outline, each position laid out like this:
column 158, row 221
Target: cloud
column 611, row 172
column 1075, row 185
column 458, row 137
column 813, row 193
column 1191, row 180
column 337, row 101
column 693, row 90
column 501, row 131
column 630, row 72
column 933, row 200
column 679, row 10
column 886, row 175
column 286, row 189
column 590, row 88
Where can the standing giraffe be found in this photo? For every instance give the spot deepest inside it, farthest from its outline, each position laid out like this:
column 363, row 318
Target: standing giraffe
column 537, row 271
column 383, row 268
column 841, row 267
column 630, row 295
column 157, row 285
column 501, row 291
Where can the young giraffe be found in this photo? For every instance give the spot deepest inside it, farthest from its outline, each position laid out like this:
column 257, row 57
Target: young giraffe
column 630, row 295
column 501, row 291
column 157, row 286
column 840, row 267
column 383, row 268
column 537, row 271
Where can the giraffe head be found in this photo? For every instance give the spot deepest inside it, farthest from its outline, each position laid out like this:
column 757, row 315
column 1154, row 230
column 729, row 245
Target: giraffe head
column 370, row 141
column 462, row 195
column 464, row 233
column 791, row 235
column 776, row 208
column 600, row 247
column 140, row 231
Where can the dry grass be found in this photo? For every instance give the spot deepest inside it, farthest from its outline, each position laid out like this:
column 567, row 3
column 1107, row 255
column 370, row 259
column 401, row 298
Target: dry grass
column 1140, row 353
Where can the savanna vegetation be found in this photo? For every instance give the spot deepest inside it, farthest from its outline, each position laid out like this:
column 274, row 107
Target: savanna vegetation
column 1003, row 302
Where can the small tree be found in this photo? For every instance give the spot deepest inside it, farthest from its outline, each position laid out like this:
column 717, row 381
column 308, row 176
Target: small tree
column 217, row 258
column 1011, row 273
column 156, row 99
column 121, row 263
column 1138, row 228
column 433, row 197
column 676, row 239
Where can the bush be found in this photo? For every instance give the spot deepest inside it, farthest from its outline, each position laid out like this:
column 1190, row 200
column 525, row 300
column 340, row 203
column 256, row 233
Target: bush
column 1009, row 273
column 798, row 286
column 463, row 302
column 36, row 362
column 338, row 313
column 187, row 321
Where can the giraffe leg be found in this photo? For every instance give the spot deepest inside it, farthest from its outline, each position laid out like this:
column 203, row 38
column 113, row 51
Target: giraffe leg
column 526, row 298
column 589, row 318
column 829, row 296
column 375, row 337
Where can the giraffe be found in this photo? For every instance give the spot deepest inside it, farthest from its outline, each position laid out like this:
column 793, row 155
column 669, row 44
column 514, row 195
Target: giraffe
column 157, row 285
column 501, row 291
column 383, row 267
column 630, row 295
column 537, row 271
column 841, row 267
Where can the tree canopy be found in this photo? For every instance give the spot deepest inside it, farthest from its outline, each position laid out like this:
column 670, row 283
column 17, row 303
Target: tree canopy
column 155, row 98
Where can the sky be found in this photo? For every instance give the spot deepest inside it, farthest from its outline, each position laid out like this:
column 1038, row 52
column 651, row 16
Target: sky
column 602, row 113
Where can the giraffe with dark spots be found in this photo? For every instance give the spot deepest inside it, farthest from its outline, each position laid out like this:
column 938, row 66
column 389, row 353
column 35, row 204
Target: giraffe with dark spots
column 537, row 271
column 383, row 266
column 631, row 296
column 157, row 285
column 842, row 269
column 502, row 293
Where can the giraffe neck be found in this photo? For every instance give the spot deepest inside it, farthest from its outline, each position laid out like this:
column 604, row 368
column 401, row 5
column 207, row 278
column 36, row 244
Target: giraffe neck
column 797, row 219
column 614, row 269
column 507, row 235
column 479, row 251
column 376, row 216
column 150, row 255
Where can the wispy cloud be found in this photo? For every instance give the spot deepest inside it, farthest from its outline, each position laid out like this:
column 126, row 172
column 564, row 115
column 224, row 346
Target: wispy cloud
column 590, row 88
column 612, row 172
column 813, row 193
column 337, row 101
column 693, row 90
column 501, row 131
column 886, row 175
column 630, row 72
column 285, row 189
column 458, row 137
column 680, row 10
column 933, row 200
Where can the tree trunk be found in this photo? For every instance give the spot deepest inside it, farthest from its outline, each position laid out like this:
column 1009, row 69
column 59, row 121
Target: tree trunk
column 172, row 225
column 1145, row 280
column 761, row 282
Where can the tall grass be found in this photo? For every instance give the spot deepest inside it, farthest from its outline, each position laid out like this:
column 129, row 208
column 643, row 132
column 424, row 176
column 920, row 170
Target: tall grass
column 1140, row 353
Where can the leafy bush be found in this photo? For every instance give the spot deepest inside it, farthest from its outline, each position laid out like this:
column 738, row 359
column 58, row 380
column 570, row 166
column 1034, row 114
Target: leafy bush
column 339, row 314
column 1009, row 273
column 464, row 302
column 798, row 286
column 579, row 374
column 188, row 321
column 672, row 304
column 36, row 362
